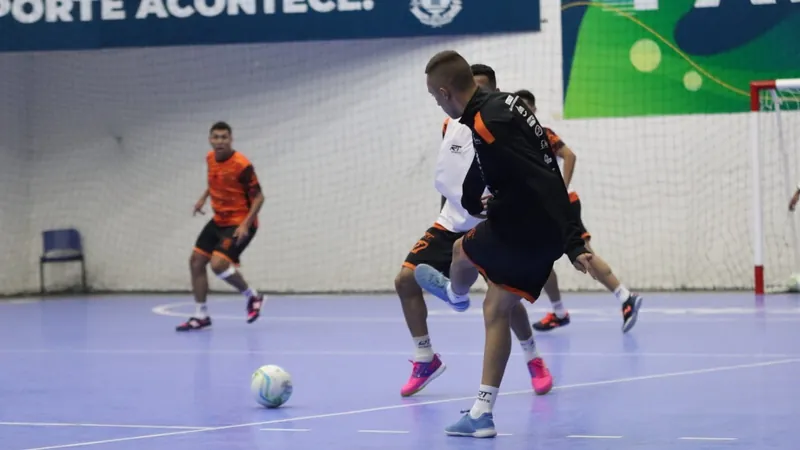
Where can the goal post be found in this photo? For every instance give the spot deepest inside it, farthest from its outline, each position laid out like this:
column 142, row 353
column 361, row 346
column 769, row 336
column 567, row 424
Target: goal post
column 768, row 136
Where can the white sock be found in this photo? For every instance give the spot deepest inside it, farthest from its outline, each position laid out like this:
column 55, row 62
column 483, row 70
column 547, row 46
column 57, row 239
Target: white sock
column 423, row 351
column 558, row 310
column 249, row 293
column 201, row 311
column 455, row 298
column 529, row 347
column 485, row 401
column 622, row 293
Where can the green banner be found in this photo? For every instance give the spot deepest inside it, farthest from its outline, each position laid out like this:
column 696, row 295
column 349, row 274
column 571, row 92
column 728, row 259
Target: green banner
column 649, row 57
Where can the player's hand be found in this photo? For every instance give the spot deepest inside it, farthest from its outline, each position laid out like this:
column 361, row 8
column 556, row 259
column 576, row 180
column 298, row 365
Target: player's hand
column 241, row 233
column 198, row 208
column 584, row 264
column 794, row 200
column 485, row 201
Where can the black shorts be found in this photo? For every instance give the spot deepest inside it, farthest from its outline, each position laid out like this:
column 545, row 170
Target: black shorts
column 575, row 209
column 435, row 249
column 220, row 240
column 519, row 269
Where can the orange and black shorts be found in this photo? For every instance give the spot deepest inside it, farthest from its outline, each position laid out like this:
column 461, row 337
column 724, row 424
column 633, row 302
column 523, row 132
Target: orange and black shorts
column 215, row 239
column 434, row 248
column 575, row 210
column 519, row 268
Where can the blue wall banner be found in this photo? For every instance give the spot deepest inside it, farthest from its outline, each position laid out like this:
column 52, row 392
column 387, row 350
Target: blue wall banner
column 29, row 25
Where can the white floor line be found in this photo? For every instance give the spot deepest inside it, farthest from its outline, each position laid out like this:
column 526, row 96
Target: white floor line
column 97, row 425
column 390, row 353
column 431, row 402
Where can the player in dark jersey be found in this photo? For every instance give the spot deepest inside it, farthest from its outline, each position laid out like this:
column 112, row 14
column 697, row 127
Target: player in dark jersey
column 236, row 198
column 435, row 250
column 631, row 302
column 527, row 228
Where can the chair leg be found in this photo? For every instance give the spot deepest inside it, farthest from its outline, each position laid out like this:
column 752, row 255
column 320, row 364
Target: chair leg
column 41, row 278
column 83, row 274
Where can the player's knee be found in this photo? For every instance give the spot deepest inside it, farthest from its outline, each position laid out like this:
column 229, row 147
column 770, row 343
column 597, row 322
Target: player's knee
column 405, row 284
column 197, row 262
column 499, row 305
column 219, row 265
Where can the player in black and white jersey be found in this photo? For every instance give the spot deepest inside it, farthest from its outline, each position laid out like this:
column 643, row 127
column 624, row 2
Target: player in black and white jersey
column 631, row 302
column 435, row 249
column 528, row 222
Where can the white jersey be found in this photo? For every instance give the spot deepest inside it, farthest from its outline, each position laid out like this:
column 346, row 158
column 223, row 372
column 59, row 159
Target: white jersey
column 455, row 158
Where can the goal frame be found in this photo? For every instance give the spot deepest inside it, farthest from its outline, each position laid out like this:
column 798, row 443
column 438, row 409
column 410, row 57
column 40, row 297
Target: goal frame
column 756, row 88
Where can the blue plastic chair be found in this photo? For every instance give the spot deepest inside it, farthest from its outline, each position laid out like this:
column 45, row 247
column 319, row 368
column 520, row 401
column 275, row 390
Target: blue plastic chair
column 60, row 246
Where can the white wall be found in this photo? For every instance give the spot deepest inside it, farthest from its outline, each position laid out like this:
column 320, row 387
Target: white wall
column 343, row 136
column 15, row 268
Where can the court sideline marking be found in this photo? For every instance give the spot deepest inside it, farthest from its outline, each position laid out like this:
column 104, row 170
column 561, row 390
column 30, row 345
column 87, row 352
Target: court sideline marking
column 392, row 353
column 97, row 425
column 431, row 402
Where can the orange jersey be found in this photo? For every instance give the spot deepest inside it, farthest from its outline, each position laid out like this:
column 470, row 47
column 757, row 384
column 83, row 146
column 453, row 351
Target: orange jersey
column 232, row 185
column 555, row 142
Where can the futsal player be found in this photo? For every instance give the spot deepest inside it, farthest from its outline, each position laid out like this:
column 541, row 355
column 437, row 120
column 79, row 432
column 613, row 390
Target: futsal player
column 236, row 198
column 435, row 248
column 631, row 302
column 528, row 225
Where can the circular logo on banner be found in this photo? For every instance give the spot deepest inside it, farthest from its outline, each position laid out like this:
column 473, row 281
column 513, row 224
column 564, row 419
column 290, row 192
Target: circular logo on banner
column 435, row 13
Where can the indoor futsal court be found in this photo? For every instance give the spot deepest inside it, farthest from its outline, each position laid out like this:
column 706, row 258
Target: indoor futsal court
column 699, row 371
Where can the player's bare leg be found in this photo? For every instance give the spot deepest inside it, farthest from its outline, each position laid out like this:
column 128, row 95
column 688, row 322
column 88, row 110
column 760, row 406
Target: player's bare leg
column 227, row 272
column 559, row 317
column 631, row 302
column 497, row 311
column 197, row 270
column 519, row 321
column 427, row 365
column 455, row 291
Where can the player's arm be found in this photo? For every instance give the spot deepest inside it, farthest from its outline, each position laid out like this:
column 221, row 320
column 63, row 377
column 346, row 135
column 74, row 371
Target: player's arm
column 251, row 185
column 795, row 198
column 564, row 152
column 198, row 206
column 472, row 190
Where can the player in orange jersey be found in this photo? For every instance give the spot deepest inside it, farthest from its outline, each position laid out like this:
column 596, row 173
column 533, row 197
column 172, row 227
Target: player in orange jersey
column 236, row 198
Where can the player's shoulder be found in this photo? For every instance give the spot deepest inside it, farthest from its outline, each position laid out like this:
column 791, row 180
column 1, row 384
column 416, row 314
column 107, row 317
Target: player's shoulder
column 497, row 106
column 210, row 156
column 241, row 160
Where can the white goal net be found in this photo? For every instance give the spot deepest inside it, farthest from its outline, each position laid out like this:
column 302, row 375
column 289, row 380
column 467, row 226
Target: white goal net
column 776, row 143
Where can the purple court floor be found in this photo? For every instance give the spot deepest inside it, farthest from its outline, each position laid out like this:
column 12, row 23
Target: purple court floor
column 699, row 371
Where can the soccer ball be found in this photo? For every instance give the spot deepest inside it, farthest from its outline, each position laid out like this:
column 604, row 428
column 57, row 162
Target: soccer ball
column 271, row 386
column 794, row 283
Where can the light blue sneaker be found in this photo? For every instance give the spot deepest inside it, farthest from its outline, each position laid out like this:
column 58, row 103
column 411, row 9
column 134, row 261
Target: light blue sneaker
column 435, row 282
column 482, row 427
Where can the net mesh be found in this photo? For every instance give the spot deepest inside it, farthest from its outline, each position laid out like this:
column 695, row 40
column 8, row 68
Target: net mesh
column 779, row 145
column 344, row 137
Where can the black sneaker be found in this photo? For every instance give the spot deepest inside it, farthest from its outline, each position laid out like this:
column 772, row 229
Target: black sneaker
column 254, row 307
column 550, row 322
column 630, row 312
column 194, row 324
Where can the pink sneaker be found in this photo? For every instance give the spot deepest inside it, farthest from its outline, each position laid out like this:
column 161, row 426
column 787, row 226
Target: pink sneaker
column 541, row 380
column 422, row 374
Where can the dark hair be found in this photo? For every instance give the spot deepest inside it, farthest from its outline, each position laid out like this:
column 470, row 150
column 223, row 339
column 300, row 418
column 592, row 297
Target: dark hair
column 526, row 95
column 452, row 69
column 221, row 126
column 486, row 71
